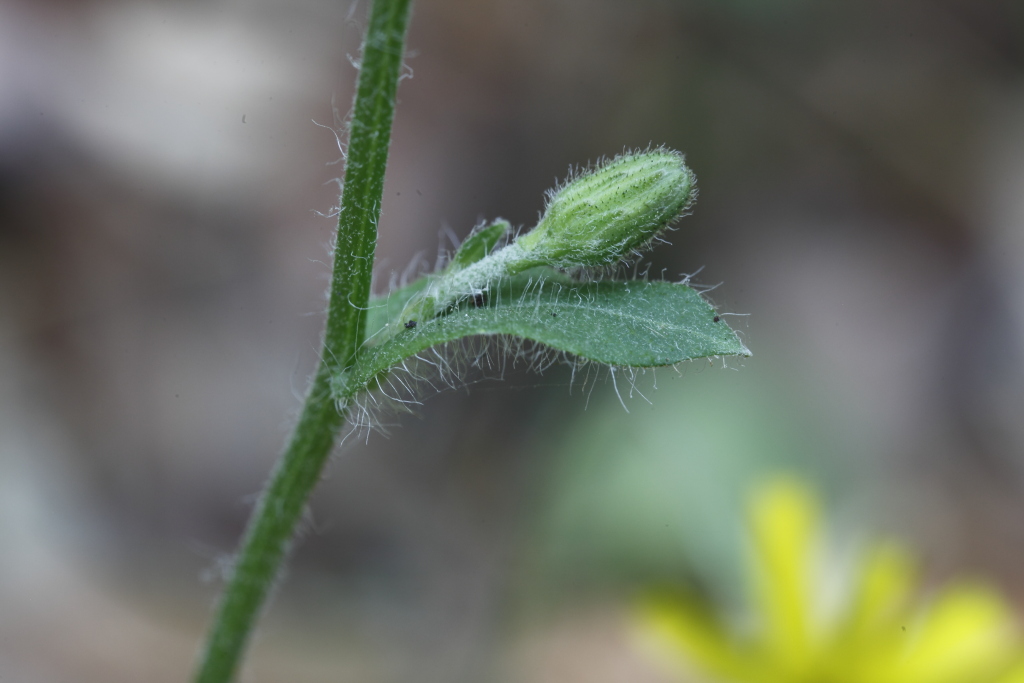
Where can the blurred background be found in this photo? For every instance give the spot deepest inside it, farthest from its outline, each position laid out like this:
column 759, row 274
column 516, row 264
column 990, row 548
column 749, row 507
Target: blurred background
column 162, row 267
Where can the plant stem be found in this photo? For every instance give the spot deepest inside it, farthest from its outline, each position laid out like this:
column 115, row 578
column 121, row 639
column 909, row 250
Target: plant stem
column 273, row 521
column 270, row 529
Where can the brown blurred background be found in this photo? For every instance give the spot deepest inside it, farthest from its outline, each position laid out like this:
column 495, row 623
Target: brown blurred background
column 861, row 165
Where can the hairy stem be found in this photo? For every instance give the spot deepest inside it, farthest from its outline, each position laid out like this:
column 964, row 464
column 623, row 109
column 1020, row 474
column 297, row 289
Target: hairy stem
column 280, row 507
column 270, row 529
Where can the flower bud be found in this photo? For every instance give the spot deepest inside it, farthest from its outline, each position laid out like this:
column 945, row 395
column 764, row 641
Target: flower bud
column 603, row 215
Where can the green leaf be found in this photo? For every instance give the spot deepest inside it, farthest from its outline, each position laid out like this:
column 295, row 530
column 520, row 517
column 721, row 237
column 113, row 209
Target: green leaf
column 636, row 323
column 384, row 309
column 479, row 244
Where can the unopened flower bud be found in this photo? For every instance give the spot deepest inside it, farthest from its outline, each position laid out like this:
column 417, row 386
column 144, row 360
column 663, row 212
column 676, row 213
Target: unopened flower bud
column 604, row 215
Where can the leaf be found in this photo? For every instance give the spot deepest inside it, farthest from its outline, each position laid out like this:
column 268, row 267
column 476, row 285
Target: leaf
column 383, row 309
column 636, row 323
column 479, row 244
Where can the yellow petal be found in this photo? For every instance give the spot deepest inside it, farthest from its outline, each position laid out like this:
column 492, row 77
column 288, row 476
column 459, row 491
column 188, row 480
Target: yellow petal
column 687, row 630
column 885, row 586
column 968, row 635
column 784, row 522
column 1015, row 673
column 872, row 635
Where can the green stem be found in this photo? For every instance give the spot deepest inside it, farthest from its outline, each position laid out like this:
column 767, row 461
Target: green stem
column 273, row 521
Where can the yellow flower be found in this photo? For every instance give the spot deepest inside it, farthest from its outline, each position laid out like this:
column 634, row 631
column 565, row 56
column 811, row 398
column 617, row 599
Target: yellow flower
column 879, row 633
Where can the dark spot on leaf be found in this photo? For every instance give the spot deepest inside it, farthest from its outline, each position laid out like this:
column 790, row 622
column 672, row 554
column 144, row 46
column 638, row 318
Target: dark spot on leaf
column 411, row 324
column 717, row 318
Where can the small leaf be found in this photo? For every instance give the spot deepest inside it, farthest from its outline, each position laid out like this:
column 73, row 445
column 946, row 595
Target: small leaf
column 637, row 324
column 479, row 244
column 383, row 309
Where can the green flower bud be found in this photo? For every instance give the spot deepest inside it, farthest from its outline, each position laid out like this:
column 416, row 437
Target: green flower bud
column 605, row 214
